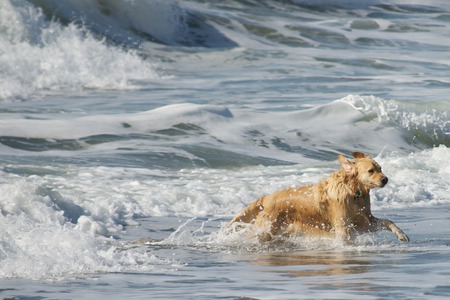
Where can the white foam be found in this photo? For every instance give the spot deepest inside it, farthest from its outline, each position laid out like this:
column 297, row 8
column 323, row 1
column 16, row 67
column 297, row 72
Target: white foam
column 418, row 179
column 409, row 116
column 39, row 56
column 37, row 242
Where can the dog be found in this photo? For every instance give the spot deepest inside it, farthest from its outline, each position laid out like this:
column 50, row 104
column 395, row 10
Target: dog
column 337, row 206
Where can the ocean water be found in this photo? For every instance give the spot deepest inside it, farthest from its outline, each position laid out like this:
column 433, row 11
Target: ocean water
column 131, row 132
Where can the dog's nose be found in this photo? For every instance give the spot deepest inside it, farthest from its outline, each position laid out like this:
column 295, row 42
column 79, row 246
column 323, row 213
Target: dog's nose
column 384, row 180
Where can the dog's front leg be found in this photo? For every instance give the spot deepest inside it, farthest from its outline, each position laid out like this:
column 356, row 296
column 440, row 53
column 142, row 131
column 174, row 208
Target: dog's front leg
column 389, row 225
column 344, row 234
column 344, row 229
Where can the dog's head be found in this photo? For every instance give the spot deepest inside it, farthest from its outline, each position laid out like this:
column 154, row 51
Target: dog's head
column 364, row 169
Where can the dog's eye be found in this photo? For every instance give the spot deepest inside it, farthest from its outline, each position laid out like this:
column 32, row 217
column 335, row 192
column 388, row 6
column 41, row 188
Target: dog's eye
column 371, row 171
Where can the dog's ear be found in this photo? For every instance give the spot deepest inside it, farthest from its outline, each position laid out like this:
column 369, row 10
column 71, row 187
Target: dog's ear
column 346, row 164
column 358, row 155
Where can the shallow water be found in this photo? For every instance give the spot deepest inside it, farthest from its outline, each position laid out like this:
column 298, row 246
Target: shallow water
column 132, row 132
column 373, row 268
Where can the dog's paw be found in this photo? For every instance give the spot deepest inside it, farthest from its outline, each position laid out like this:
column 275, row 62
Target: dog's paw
column 402, row 236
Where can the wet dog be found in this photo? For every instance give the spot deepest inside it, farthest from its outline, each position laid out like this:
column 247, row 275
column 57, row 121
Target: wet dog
column 336, row 206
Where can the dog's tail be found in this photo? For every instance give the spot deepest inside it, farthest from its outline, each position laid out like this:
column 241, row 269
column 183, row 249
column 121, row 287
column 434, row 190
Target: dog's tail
column 249, row 214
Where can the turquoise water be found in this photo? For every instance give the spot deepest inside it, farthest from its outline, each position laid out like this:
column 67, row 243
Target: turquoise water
column 132, row 132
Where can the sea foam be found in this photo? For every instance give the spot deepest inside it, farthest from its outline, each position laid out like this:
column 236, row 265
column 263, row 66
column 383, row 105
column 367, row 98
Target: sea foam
column 38, row 242
column 38, row 56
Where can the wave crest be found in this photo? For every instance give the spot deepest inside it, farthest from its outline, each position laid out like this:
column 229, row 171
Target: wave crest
column 39, row 56
column 424, row 123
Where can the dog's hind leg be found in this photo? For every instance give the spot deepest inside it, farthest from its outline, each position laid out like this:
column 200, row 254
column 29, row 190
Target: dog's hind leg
column 249, row 214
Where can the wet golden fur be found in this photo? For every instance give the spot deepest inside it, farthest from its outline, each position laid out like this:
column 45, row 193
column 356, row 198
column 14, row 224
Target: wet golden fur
column 336, row 206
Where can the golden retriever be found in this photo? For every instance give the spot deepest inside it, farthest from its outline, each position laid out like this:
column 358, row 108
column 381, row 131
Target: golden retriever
column 337, row 206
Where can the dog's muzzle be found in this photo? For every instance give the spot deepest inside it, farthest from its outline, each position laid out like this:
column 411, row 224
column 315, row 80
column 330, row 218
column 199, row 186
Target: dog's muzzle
column 384, row 181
